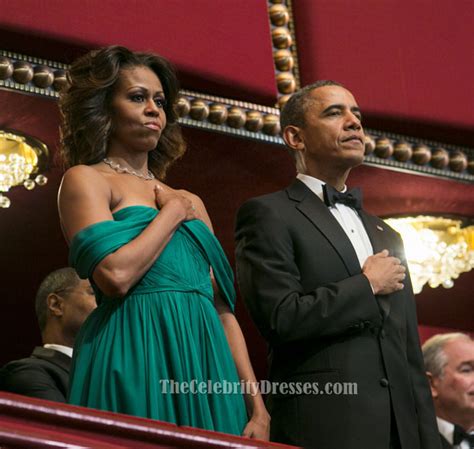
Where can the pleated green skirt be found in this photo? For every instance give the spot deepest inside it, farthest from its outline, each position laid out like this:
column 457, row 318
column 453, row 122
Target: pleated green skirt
column 161, row 351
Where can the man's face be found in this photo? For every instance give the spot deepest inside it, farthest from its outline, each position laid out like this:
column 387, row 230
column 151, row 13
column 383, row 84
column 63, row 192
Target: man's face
column 453, row 393
column 79, row 302
column 333, row 134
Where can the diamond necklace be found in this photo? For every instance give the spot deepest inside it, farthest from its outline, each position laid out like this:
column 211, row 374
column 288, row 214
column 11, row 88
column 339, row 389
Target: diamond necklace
column 119, row 169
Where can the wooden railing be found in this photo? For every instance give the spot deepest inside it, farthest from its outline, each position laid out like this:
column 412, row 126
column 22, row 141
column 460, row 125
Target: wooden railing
column 34, row 423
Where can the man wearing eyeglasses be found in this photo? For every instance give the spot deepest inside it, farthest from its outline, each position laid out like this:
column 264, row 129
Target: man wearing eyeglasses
column 63, row 302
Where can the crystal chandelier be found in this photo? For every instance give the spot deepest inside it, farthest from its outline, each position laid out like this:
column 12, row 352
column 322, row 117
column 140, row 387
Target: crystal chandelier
column 21, row 158
column 438, row 249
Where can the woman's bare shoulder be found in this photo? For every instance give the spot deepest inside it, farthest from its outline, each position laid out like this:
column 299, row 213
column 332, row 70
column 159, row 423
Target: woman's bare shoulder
column 84, row 198
column 82, row 179
column 82, row 173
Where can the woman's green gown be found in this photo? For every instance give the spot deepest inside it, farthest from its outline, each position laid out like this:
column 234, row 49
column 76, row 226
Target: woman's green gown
column 131, row 350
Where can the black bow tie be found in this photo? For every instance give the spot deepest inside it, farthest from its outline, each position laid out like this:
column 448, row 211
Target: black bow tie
column 460, row 435
column 351, row 198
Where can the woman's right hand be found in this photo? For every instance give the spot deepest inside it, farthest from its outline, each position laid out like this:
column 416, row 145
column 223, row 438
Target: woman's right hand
column 167, row 198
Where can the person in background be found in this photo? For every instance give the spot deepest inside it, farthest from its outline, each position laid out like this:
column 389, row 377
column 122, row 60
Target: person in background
column 449, row 363
column 63, row 302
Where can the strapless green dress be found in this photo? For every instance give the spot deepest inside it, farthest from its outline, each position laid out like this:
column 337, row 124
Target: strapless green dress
column 160, row 352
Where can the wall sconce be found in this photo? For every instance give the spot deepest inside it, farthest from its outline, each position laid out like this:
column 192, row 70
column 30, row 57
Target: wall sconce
column 438, row 249
column 21, row 159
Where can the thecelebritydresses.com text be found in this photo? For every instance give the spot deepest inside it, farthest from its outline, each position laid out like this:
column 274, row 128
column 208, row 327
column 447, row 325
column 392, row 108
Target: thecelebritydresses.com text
column 169, row 386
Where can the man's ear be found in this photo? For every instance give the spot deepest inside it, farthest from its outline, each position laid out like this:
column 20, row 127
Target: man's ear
column 433, row 384
column 55, row 304
column 293, row 137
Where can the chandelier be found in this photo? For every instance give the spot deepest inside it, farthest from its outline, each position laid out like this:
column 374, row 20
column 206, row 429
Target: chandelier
column 21, row 159
column 438, row 249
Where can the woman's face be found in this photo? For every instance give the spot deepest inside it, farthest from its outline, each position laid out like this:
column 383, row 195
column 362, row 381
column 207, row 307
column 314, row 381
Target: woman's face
column 138, row 115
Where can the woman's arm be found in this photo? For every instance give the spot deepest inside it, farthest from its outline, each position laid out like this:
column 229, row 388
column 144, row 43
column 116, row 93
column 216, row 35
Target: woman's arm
column 259, row 423
column 84, row 199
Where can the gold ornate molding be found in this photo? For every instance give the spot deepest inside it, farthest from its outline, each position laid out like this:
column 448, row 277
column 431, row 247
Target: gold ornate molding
column 285, row 56
column 257, row 122
column 425, row 157
column 32, row 75
column 228, row 116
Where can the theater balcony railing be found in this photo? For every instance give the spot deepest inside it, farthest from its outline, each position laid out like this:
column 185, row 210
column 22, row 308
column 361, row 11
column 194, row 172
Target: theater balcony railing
column 34, row 423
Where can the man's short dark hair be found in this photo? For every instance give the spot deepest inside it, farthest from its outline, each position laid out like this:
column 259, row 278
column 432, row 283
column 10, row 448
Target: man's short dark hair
column 55, row 282
column 293, row 113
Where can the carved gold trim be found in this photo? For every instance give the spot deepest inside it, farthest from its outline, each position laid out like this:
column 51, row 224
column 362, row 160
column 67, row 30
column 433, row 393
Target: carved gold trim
column 30, row 74
column 285, row 57
column 257, row 122
column 294, row 47
column 420, row 156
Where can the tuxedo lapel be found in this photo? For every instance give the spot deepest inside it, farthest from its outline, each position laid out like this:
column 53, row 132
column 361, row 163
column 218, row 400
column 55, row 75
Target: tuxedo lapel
column 445, row 443
column 376, row 232
column 317, row 212
column 378, row 238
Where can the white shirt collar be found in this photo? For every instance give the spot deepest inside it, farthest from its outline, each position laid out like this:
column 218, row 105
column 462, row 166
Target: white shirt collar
column 348, row 219
column 60, row 348
column 315, row 184
column 446, row 429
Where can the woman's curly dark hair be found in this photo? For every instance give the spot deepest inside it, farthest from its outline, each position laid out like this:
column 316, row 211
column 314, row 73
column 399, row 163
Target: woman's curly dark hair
column 86, row 112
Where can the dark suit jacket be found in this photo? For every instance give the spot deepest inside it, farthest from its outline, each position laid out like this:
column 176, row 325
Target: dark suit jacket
column 444, row 443
column 44, row 375
column 303, row 285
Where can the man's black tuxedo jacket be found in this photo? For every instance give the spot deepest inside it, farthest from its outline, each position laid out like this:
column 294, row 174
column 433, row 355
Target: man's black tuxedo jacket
column 303, row 285
column 44, row 375
column 445, row 443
